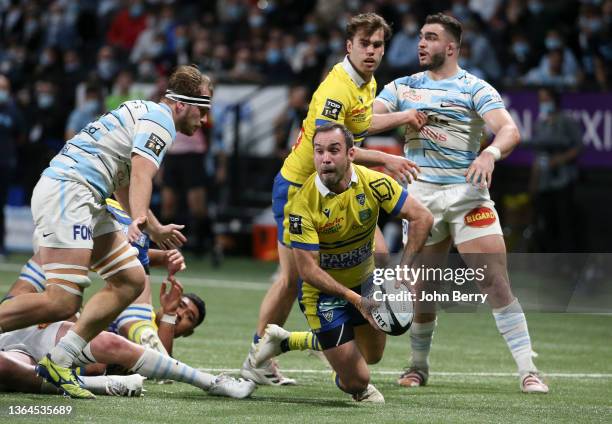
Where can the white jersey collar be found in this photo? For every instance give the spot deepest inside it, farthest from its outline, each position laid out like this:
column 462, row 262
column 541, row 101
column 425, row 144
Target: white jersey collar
column 327, row 192
column 350, row 69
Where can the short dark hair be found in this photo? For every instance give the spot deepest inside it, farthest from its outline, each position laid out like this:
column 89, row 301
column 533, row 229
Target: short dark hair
column 199, row 302
column 450, row 25
column 369, row 23
column 332, row 126
column 186, row 80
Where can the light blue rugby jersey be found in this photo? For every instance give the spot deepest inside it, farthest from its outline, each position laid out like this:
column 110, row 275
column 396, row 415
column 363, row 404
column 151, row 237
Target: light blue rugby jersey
column 99, row 155
column 446, row 146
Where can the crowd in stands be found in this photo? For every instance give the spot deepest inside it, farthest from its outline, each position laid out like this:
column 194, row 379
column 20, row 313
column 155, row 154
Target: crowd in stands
column 64, row 62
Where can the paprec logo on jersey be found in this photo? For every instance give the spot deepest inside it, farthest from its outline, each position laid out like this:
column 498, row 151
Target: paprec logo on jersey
column 155, row 144
column 480, row 217
column 332, row 109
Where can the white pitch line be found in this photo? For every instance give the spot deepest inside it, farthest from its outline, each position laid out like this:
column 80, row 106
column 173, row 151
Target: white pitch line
column 440, row 373
column 191, row 281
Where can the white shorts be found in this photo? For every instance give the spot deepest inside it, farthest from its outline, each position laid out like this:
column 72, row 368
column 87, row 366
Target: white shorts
column 34, row 341
column 462, row 211
column 67, row 215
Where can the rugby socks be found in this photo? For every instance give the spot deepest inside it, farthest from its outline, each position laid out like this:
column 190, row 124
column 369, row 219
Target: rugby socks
column 95, row 384
column 68, row 349
column 153, row 364
column 512, row 325
column 421, row 334
column 301, row 340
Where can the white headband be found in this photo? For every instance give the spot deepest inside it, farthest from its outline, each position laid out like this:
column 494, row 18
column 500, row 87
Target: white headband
column 200, row 101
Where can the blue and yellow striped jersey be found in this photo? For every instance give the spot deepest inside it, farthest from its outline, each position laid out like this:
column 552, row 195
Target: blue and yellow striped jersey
column 343, row 97
column 341, row 226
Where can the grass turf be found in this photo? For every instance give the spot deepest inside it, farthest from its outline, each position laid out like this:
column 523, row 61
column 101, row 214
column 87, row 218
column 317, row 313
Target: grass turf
column 470, row 364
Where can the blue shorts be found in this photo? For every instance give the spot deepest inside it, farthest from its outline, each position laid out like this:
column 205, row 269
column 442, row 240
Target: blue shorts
column 325, row 312
column 282, row 191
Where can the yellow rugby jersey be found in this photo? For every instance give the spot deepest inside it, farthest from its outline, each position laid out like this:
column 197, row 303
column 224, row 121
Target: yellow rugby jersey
column 342, row 97
column 341, row 226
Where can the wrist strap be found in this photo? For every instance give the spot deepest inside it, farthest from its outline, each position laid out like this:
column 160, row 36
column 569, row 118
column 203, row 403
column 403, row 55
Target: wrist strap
column 494, row 151
column 169, row 319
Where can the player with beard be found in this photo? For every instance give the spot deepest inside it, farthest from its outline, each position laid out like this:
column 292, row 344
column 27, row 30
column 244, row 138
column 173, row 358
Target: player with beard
column 454, row 185
column 345, row 96
column 332, row 224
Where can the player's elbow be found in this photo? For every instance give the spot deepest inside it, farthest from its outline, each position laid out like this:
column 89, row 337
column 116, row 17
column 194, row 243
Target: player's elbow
column 514, row 134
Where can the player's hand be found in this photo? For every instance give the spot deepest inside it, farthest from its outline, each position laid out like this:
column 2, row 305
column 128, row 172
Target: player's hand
column 365, row 306
column 175, row 262
column 135, row 228
column 416, row 119
column 168, row 236
column 480, row 172
column 170, row 301
column 401, row 169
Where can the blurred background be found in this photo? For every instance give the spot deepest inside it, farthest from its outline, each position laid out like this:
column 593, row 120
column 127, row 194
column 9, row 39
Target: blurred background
column 63, row 63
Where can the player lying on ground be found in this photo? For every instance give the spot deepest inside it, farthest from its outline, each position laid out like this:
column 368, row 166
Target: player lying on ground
column 345, row 96
column 454, row 186
column 332, row 221
column 20, row 350
column 137, row 322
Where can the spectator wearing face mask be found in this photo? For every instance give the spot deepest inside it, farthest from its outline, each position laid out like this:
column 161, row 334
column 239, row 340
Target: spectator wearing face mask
column 557, row 141
column 402, row 57
column 85, row 113
column 554, row 41
column 47, row 115
column 127, row 24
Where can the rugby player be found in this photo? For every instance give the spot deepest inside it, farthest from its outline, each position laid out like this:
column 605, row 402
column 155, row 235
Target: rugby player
column 21, row 349
column 454, row 186
column 345, row 96
column 332, row 223
column 118, row 153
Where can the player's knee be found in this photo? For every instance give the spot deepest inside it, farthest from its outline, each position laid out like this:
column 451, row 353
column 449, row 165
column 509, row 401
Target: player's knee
column 110, row 342
column 373, row 357
column 355, row 383
column 5, row 367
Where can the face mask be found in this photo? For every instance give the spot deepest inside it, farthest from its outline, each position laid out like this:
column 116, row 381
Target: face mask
column 90, row 106
column 273, row 56
column 71, row 67
column 403, row 8
column 45, row 100
column 181, row 43
column 45, row 59
column 4, row 96
column 336, row 44
column 594, row 25
column 552, row 43
column 310, row 28
column 146, row 70
column 546, row 108
column 535, row 7
column 106, row 68
column 410, row 28
column 520, row 49
column 156, row 48
column 136, row 10
column 256, row 21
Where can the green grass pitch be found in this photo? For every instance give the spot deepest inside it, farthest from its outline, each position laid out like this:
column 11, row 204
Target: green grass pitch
column 472, row 377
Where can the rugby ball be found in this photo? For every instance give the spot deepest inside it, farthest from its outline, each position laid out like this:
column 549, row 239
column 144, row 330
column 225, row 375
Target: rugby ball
column 395, row 310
